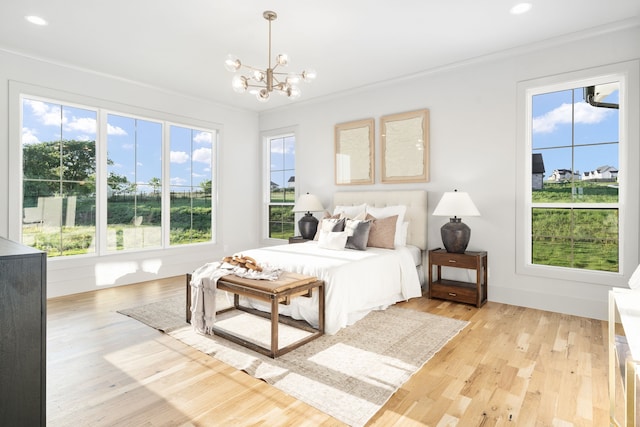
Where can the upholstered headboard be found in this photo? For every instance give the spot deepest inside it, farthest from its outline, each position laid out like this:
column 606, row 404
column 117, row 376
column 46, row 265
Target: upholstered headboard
column 415, row 200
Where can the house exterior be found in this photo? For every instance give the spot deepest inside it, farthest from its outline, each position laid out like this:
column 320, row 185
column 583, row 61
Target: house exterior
column 603, row 173
column 537, row 171
column 563, row 175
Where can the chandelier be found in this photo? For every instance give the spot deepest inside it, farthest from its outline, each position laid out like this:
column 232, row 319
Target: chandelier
column 262, row 82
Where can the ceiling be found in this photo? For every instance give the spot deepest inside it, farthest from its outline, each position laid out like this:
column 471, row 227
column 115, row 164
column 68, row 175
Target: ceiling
column 180, row 46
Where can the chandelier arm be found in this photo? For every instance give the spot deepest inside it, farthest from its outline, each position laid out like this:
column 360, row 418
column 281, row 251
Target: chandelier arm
column 251, row 68
column 286, row 74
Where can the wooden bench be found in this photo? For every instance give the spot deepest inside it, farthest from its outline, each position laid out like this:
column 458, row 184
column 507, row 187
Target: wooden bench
column 287, row 286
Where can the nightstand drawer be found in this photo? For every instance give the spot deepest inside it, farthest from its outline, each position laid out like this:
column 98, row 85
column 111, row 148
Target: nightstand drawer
column 453, row 260
column 451, row 292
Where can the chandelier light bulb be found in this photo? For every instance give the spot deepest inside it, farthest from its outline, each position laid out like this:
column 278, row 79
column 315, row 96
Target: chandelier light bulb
column 293, row 92
column 263, row 95
column 232, row 63
column 282, row 59
column 292, row 79
column 258, row 75
column 239, row 84
column 309, row 75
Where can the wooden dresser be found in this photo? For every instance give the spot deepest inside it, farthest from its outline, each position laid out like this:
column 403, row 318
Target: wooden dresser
column 23, row 331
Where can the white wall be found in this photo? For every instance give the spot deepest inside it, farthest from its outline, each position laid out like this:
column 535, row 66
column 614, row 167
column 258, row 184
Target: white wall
column 239, row 136
column 473, row 148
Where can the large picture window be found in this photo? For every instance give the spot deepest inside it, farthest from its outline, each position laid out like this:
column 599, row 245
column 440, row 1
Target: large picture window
column 191, row 184
column 134, row 183
column 578, row 178
column 62, row 188
column 59, row 177
column 574, row 203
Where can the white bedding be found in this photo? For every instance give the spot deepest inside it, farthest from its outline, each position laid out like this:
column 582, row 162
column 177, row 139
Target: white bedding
column 356, row 282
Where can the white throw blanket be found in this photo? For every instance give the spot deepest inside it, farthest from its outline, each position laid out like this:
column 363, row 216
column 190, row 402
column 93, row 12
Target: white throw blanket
column 204, row 282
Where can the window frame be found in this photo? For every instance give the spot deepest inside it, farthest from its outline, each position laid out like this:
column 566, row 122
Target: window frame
column 19, row 91
column 627, row 74
column 266, row 138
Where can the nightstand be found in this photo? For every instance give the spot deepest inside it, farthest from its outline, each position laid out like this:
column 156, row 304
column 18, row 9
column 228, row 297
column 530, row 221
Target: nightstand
column 454, row 290
column 298, row 239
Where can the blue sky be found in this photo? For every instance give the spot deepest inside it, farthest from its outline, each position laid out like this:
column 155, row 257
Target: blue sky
column 134, row 146
column 552, row 117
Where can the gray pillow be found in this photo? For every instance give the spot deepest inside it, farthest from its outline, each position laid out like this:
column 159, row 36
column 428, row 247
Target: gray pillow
column 360, row 236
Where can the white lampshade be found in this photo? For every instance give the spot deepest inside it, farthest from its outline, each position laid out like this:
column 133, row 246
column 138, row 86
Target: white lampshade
column 456, row 203
column 308, row 203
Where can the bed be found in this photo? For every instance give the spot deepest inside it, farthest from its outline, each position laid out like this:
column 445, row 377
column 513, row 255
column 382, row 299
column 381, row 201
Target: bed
column 356, row 281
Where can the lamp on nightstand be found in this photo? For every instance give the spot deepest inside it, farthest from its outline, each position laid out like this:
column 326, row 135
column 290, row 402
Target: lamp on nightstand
column 308, row 224
column 455, row 234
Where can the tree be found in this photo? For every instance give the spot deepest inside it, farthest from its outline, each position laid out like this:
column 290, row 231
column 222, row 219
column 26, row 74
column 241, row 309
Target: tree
column 206, row 187
column 57, row 167
column 155, row 184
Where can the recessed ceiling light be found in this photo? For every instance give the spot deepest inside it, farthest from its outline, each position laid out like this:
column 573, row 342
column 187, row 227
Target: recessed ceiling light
column 520, row 8
column 36, row 20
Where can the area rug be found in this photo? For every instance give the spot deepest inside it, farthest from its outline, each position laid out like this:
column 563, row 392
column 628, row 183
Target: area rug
column 349, row 375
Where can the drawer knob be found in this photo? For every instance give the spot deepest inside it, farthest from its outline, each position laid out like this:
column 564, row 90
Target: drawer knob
column 452, row 261
column 452, row 294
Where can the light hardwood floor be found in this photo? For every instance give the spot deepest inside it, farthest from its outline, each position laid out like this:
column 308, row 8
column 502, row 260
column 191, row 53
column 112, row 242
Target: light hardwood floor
column 511, row 366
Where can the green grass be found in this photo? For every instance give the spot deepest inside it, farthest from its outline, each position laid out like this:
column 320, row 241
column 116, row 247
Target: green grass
column 576, row 237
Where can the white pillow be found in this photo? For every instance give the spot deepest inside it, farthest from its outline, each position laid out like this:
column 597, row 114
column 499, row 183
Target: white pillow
column 403, row 235
column 388, row 211
column 634, row 281
column 350, row 211
column 335, row 240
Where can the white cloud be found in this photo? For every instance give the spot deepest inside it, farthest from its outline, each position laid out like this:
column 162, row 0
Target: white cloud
column 82, row 124
column 115, row 130
column 583, row 113
column 52, row 115
column 179, row 157
column 29, row 136
column 202, row 155
column 49, row 115
column 203, row 137
column 178, row 181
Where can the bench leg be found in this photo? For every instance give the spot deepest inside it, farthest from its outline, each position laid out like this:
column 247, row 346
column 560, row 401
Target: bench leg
column 274, row 327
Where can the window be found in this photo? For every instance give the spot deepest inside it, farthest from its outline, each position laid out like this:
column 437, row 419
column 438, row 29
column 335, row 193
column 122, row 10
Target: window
column 59, row 177
column 574, row 209
column 578, row 176
column 134, row 183
column 281, row 188
column 62, row 189
column 191, row 183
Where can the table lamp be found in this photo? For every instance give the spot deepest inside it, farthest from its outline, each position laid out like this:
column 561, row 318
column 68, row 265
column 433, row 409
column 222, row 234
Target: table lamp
column 308, row 224
column 455, row 234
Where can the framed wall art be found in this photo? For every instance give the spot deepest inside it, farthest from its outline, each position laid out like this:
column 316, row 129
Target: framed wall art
column 405, row 147
column 354, row 161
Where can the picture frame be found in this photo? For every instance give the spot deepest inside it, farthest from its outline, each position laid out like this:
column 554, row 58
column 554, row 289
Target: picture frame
column 405, row 147
column 354, row 152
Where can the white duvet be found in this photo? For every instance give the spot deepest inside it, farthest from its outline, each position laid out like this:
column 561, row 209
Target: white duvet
column 356, row 282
